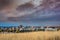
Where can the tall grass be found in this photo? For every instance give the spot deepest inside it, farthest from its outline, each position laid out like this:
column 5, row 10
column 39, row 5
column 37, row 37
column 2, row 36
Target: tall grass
column 54, row 38
column 31, row 36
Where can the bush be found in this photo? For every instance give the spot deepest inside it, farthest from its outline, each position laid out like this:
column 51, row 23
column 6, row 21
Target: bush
column 0, row 30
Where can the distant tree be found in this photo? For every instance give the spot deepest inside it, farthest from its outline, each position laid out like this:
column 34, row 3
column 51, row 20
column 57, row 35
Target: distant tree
column 11, row 29
column 0, row 30
column 21, row 26
column 17, row 30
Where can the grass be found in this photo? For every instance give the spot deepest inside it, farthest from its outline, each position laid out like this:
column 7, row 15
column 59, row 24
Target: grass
column 47, row 35
column 54, row 38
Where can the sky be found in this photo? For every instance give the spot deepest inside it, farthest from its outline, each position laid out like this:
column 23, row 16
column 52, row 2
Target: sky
column 29, row 12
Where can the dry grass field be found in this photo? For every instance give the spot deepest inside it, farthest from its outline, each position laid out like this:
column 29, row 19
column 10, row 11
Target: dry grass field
column 47, row 35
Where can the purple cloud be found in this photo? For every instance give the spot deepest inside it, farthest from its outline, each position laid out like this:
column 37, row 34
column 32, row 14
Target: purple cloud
column 32, row 10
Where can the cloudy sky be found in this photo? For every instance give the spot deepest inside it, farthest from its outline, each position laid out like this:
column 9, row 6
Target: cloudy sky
column 29, row 12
